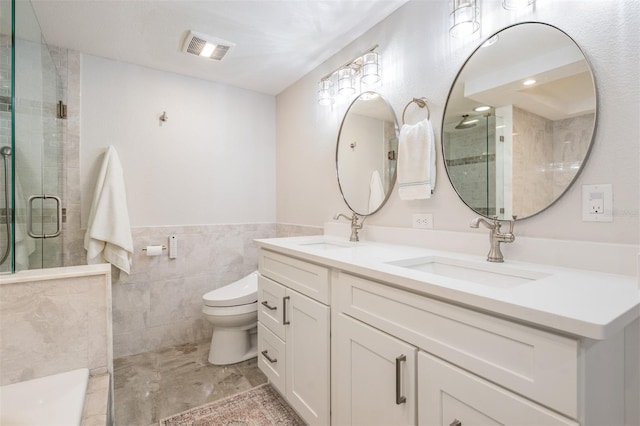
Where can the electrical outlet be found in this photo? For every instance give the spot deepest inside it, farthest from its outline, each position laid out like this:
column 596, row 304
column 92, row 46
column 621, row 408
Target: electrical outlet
column 423, row 220
column 597, row 203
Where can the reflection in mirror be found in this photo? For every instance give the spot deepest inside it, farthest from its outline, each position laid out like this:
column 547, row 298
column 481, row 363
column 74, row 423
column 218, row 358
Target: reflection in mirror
column 519, row 121
column 366, row 153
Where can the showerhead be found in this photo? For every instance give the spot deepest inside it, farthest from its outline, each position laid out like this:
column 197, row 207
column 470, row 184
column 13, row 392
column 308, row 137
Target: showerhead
column 5, row 151
column 465, row 123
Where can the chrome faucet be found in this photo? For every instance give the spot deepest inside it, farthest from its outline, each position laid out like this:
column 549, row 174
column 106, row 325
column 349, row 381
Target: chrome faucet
column 495, row 236
column 355, row 226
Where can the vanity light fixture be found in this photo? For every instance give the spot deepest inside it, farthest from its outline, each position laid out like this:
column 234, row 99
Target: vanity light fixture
column 482, row 108
column 325, row 89
column 346, row 81
column 357, row 75
column 529, row 82
column 464, row 18
column 370, row 68
column 517, row 4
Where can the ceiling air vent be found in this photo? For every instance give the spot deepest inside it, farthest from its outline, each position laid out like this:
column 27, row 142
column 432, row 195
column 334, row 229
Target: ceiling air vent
column 206, row 46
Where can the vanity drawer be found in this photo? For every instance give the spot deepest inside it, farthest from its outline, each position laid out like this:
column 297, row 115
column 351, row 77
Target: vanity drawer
column 271, row 306
column 447, row 393
column 539, row 365
column 272, row 357
column 304, row 277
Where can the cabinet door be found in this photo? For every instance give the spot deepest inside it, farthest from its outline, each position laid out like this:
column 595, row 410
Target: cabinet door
column 308, row 357
column 449, row 396
column 373, row 376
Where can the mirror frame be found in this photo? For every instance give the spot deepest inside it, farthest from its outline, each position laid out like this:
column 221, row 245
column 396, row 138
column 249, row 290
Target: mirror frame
column 395, row 173
column 593, row 132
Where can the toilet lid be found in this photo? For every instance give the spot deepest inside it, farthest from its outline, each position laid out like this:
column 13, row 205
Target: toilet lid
column 241, row 292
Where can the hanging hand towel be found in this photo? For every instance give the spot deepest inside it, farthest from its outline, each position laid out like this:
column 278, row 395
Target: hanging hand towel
column 416, row 161
column 108, row 237
column 376, row 192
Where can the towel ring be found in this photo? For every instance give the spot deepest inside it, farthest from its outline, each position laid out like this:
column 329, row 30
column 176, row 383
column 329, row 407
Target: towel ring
column 421, row 102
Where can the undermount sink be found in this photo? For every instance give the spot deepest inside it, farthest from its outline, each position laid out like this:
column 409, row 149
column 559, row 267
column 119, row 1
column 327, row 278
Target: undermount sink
column 324, row 245
column 494, row 275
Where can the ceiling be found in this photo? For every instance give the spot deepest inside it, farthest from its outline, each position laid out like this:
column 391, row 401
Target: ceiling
column 494, row 75
column 276, row 42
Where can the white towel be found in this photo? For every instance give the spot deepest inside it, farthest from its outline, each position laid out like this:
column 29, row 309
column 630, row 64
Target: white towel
column 376, row 192
column 416, row 161
column 108, row 237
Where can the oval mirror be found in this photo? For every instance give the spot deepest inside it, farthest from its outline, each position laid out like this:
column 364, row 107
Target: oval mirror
column 366, row 153
column 519, row 121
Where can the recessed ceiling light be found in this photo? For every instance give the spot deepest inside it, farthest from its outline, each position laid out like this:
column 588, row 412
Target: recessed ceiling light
column 482, row 108
column 470, row 121
column 529, row 82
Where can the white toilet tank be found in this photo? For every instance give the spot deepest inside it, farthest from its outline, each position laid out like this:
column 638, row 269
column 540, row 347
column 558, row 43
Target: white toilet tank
column 241, row 292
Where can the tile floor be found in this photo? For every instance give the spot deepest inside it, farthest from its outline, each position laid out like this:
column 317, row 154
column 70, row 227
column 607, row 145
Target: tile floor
column 154, row 385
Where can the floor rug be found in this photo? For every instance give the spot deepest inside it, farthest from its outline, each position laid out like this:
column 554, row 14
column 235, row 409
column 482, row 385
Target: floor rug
column 259, row 406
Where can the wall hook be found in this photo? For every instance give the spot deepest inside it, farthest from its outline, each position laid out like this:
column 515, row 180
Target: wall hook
column 164, row 117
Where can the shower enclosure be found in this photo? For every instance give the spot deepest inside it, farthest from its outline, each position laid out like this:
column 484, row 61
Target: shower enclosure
column 31, row 144
column 474, row 148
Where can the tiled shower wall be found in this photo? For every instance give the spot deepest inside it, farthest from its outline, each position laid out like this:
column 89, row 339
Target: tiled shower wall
column 160, row 303
column 469, row 159
column 546, row 157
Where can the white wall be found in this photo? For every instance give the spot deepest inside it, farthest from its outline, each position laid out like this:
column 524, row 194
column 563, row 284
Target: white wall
column 212, row 162
column 421, row 59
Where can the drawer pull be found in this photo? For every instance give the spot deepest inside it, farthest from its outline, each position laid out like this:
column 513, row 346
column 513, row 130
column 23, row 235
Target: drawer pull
column 455, row 422
column 271, row 360
column 399, row 398
column 271, row 308
column 284, row 310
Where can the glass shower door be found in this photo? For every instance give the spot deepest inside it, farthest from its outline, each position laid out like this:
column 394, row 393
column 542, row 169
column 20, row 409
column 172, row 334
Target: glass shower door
column 36, row 146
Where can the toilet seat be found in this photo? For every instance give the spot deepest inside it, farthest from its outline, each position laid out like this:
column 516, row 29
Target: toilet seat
column 241, row 292
column 222, row 311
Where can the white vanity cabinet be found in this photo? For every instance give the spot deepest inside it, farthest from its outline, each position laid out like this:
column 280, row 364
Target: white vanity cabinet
column 294, row 332
column 463, row 367
column 348, row 341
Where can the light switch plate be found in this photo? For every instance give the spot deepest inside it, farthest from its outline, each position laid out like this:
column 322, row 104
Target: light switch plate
column 597, row 203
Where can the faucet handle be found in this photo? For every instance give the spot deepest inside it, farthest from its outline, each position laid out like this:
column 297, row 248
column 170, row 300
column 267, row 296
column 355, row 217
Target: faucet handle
column 496, row 222
column 512, row 223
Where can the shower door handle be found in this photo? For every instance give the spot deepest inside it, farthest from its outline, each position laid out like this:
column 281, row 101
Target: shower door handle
column 30, row 216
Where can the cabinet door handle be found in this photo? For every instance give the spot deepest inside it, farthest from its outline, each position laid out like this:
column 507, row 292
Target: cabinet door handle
column 271, row 308
column 455, row 422
column 284, row 310
column 399, row 398
column 271, row 360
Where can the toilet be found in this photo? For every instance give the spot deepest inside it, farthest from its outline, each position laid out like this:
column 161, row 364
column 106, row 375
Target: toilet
column 233, row 311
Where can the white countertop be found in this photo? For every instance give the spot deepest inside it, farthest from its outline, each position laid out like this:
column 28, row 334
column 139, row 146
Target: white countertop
column 581, row 303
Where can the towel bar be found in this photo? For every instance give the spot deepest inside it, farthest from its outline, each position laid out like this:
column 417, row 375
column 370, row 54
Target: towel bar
column 421, row 102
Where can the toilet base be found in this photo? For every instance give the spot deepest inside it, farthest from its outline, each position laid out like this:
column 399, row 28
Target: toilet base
column 233, row 345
